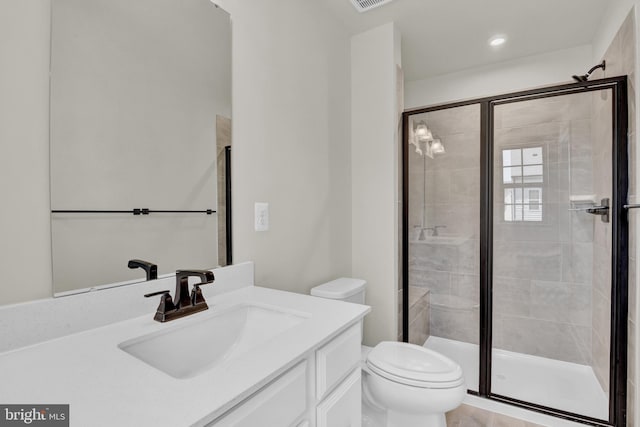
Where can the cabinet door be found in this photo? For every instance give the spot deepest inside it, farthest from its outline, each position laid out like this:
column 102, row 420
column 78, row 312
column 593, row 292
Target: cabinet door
column 279, row 404
column 336, row 359
column 343, row 407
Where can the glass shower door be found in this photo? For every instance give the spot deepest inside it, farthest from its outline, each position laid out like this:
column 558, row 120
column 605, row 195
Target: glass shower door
column 551, row 281
column 443, row 162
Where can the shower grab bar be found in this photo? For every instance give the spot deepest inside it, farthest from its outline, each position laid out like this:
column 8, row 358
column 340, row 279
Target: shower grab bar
column 581, row 205
column 602, row 210
column 629, row 206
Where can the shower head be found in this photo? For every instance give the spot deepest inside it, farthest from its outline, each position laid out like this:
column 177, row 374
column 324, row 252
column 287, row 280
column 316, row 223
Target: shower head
column 585, row 77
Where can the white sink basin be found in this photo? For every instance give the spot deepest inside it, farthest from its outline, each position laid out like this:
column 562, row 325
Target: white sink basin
column 195, row 346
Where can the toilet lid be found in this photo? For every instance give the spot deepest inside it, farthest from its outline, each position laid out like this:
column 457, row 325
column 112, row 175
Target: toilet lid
column 414, row 365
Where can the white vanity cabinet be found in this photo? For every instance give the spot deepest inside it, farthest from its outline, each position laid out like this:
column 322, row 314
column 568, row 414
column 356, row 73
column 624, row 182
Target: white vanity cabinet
column 323, row 390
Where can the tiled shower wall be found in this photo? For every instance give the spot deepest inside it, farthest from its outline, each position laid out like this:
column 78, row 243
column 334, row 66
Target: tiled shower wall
column 620, row 57
column 419, row 308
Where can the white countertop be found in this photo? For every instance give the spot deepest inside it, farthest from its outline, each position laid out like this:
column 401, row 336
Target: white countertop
column 105, row 386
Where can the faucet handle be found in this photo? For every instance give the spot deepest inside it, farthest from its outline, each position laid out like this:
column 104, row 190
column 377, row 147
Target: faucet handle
column 196, row 295
column 166, row 304
column 153, row 294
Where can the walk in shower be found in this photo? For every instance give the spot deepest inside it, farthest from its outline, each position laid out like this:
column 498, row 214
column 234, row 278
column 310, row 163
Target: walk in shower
column 515, row 244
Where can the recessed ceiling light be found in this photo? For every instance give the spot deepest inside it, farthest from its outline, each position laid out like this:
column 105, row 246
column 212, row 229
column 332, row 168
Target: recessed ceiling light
column 496, row 41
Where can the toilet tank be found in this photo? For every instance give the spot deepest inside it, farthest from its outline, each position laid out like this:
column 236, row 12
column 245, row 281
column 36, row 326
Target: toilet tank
column 344, row 289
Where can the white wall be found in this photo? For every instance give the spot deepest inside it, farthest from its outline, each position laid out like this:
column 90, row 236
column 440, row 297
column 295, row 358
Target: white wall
column 374, row 156
column 503, row 77
column 25, row 254
column 291, row 141
column 291, row 126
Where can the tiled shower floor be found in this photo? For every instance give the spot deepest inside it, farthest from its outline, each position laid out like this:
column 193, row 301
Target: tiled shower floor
column 553, row 383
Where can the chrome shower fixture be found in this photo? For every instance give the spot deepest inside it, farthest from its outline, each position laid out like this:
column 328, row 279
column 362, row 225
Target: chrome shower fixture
column 585, row 77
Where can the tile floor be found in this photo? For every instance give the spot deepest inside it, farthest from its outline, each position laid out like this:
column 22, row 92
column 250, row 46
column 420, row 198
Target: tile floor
column 469, row 416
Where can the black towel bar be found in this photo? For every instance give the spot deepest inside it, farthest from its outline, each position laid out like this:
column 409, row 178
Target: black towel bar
column 136, row 211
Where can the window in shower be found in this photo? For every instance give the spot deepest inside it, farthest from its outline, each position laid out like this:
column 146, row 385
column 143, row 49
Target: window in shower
column 523, row 181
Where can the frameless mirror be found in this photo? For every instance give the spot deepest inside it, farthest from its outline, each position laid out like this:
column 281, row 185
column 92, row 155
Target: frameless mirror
column 140, row 138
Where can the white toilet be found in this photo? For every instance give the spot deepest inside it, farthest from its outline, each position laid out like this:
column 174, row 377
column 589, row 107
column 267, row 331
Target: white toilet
column 411, row 386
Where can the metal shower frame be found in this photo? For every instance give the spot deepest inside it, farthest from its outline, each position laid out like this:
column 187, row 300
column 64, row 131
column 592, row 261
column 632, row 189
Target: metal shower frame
column 620, row 240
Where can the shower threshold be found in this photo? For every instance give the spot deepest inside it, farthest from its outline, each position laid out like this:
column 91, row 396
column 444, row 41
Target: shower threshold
column 552, row 383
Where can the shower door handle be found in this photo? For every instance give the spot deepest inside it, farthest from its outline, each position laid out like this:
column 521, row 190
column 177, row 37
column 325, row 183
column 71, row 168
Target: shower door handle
column 602, row 210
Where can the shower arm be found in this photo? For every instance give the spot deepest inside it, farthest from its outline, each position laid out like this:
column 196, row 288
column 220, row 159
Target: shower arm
column 602, row 65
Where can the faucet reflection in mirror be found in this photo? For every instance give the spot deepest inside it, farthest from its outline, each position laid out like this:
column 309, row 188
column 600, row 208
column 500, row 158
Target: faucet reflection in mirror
column 149, row 268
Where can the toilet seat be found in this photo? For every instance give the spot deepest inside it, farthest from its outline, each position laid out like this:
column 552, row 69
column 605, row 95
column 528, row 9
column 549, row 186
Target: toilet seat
column 413, row 365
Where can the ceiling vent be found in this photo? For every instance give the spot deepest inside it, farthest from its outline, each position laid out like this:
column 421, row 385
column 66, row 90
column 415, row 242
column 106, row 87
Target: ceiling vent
column 365, row 5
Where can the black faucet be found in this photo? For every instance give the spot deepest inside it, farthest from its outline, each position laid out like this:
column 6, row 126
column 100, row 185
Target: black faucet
column 183, row 298
column 184, row 303
column 150, row 268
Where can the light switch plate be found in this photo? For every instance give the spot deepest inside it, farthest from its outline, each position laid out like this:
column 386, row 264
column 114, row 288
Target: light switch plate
column 261, row 218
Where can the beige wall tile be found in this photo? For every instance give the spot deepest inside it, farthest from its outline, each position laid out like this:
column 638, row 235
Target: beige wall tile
column 528, row 260
column 540, row 338
column 454, row 323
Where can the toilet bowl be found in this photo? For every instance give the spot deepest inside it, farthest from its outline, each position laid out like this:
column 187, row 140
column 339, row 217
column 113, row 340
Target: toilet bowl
column 414, row 385
column 408, row 385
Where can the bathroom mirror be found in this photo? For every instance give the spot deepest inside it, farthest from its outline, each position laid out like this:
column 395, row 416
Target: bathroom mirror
column 140, row 138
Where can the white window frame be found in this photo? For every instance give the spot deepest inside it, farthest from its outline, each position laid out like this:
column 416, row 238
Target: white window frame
column 524, row 186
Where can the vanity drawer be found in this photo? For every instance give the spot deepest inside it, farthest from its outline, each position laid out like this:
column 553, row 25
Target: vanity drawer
column 336, row 359
column 279, row 404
